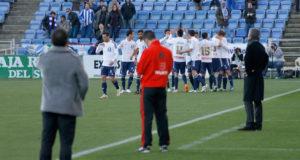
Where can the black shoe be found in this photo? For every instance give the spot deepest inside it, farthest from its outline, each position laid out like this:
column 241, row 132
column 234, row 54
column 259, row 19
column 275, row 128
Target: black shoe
column 137, row 92
column 163, row 148
column 247, row 129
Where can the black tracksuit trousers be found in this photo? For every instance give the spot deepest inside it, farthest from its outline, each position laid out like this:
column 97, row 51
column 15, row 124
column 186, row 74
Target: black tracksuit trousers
column 153, row 101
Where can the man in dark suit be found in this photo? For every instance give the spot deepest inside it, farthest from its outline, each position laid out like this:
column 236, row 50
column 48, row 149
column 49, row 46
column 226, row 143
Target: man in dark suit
column 256, row 60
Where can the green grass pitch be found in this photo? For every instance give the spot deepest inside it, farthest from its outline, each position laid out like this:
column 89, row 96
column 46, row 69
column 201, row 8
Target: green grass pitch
column 117, row 118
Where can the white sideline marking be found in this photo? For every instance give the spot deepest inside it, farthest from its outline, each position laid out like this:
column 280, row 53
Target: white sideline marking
column 88, row 151
column 252, row 149
column 212, row 136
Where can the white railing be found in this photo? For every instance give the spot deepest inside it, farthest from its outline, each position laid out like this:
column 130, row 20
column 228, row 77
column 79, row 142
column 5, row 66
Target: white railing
column 11, row 49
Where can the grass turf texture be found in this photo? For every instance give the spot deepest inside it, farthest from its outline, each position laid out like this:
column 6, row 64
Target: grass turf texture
column 117, row 118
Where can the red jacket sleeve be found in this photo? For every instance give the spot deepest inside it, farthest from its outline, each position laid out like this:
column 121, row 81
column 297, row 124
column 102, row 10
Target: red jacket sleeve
column 142, row 63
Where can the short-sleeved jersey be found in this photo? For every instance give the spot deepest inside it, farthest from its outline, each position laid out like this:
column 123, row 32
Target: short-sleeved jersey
column 141, row 45
column 127, row 47
column 164, row 43
column 221, row 52
column 206, row 48
column 178, row 43
column 194, row 45
column 110, row 53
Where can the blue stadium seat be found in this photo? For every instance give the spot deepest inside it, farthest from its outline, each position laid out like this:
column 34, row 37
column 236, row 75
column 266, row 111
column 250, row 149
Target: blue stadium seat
column 208, row 31
column 280, row 23
column 240, row 5
column 187, row 23
column 44, row 6
column 182, row 6
column 2, row 17
column 263, row 4
column 201, row 14
column 94, row 41
column 37, row 41
column 139, row 1
column 230, row 33
column 118, row 40
column 35, row 24
column 233, row 23
column 215, row 31
column 151, row 24
column 148, row 6
column 25, row 41
column 163, row 24
column 260, row 14
column 238, row 40
column 283, row 14
column 263, row 40
column 171, row 6
column 22, row 51
column 242, row 23
column 60, row 13
column 211, row 14
column 55, row 6
column 197, row 23
column 229, row 39
column 140, row 24
column 190, row 15
column 178, row 15
column 47, row 41
column 191, row 6
column 205, row 5
column 138, row 6
column 265, row 32
column 159, row 33
column 159, row 6
column 48, row 0
column 143, row 15
column 277, row 33
column 174, row 24
column 286, row 5
column 122, row 33
column 271, row 14
column 61, row 1
column 39, row 15
column 66, row 5
column 209, row 24
column 151, row 0
column 246, row 40
column 30, row 34
column 73, row 40
column 258, row 23
column 155, row 15
column 235, row 14
column 85, row 40
column 268, row 23
column 274, row 4
column 4, row 7
column 41, row 34
column 166, row 15
column 241, row 32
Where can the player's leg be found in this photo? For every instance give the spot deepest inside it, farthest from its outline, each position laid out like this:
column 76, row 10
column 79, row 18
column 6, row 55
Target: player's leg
column 175, row 73
column 124, row 69
column 202, row 76
column 104, row 73
column 173, row 81
column 182, row 72
column 131, row 71
column 220, row 76
column 113, row 80
column 138, row 84
column 224, row 80
column 160, row 111
column 230, row 78
column 190, row 75
column 195, row 65
column 147, row 104
column 212, row 78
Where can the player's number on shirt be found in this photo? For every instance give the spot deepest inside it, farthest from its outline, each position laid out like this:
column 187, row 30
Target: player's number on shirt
column 205, row 51
column 109, row 49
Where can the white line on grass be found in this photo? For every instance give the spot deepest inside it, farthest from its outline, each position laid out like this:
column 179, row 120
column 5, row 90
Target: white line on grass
column 252, row 149
column 210, row 137
column 88, row 151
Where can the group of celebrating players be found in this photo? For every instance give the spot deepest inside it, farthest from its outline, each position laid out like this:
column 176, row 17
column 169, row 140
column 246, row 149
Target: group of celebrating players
column 188, row 51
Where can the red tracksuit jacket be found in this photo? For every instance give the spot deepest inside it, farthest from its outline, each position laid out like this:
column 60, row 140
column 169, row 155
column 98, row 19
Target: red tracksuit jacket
column 155, row 65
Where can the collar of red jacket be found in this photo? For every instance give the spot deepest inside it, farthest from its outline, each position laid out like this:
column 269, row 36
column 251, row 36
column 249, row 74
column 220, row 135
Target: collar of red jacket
column 155, row 43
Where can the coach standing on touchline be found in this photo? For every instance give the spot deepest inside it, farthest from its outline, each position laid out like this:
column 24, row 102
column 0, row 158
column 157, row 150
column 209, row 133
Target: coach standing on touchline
column 154, row 67
column 65, row 84
column 256, row 60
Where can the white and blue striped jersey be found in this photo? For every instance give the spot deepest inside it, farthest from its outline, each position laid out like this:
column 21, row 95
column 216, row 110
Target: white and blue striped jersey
column 110, row 53
column 87, row 16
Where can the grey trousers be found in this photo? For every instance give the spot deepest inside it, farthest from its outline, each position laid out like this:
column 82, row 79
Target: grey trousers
column 251, row 112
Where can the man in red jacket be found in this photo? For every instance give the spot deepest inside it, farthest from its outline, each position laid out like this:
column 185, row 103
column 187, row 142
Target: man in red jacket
column 154, row 67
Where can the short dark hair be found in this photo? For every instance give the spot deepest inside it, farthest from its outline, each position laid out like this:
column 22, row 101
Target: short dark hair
column 105, row 33
column 149, row 35
column 129, row 32
column 59, row 37
column 180, row 33
column 140, row 31
column 191, row 32
column 221, row 33
column 52, row 12
column 63, row 16
column 204, row 35
column 166, row 30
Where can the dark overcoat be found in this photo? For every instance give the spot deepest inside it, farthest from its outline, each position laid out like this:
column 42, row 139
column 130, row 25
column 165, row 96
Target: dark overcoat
column 256, row 60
